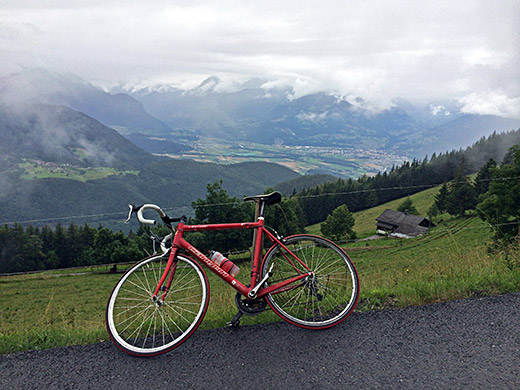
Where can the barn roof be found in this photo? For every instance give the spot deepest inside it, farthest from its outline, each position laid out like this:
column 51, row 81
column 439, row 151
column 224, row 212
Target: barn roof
column 403, row 223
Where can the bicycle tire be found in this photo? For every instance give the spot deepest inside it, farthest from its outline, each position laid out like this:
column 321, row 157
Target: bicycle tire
column 141, row 327
column 319, row 301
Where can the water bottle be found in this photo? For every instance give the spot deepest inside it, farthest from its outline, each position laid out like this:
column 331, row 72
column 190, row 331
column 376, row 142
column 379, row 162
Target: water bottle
column 224, row 263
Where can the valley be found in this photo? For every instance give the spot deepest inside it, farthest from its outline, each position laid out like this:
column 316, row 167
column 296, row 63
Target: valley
column 338, row 161
column 73, row 141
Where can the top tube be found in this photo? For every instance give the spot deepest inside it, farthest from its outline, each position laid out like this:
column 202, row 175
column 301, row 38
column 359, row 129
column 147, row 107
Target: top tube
column 220, row 226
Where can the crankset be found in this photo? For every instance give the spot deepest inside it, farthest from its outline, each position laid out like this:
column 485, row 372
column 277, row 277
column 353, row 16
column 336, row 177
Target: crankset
column 246, row 306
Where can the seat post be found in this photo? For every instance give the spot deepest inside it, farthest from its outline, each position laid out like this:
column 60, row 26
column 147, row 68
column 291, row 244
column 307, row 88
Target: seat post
column 259, row 212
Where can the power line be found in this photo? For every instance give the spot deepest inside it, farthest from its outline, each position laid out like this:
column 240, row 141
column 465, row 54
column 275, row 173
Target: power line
column 124, row 213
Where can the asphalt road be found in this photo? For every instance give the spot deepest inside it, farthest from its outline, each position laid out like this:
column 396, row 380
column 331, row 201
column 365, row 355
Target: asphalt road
column 467, row 344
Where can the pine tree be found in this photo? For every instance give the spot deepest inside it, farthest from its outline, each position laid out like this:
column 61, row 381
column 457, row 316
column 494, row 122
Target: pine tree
column 484, row 177
column 500, row 206
column 462, row 196
column 440, row 198
column 408, row 207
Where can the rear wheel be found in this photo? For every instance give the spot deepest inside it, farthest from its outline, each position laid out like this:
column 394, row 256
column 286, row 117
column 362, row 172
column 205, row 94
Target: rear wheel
column 145, row 326
column 322, row 299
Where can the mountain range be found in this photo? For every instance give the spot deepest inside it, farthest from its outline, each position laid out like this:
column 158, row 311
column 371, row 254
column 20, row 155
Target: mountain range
column 46, row 151
column 253, row 111
column 256, row 111
column 62, row 119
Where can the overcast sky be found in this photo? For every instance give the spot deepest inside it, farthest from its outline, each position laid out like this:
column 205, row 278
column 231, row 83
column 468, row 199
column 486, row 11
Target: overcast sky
column 467, row 50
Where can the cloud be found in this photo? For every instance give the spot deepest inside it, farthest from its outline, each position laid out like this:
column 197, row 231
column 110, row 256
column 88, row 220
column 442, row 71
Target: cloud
column 312, row 116
column 492, row 103
column 375, row 50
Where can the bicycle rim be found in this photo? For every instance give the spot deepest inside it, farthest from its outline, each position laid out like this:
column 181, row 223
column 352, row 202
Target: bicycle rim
column 321, row 300
column 142, row 327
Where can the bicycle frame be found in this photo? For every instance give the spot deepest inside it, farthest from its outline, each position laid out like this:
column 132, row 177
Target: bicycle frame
column 180, row 243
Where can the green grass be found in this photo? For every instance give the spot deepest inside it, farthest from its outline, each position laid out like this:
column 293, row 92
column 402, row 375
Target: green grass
column 44, row 310
column 366, row 219
column 48, row 309
column 33, row 170
column 450, row 262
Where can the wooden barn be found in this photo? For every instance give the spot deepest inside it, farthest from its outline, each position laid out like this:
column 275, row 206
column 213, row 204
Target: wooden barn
column 402, row 224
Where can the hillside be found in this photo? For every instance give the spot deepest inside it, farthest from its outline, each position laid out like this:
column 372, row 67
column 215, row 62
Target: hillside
column 451, row 262
column 57, row 162
column 365, row 192
column 366, row 219
column 38, row 86
column 61, row 135
column 170, row 183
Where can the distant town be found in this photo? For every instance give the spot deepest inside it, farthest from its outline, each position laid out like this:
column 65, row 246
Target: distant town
column 338, row 161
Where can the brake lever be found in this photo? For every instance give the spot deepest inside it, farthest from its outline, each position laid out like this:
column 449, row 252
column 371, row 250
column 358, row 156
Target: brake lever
column 129, row 213
column 133, row 209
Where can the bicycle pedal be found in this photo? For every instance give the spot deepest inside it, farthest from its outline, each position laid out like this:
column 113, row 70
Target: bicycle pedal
column 235, row 322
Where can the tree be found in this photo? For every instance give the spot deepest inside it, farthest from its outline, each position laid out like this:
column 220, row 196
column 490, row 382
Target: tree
column 286, row 218
column 461, row 196
column 440, row 199
column 433, row 211
column 219, row 207
column 484, row 176
column 339, row 224
column 408, row 207
column 500, row 205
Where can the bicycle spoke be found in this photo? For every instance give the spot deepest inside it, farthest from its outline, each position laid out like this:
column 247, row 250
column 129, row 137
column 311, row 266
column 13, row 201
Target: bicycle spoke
column 141, row 287
column 143, row 326
column 148, row 331
column 323, row 299
column 130, row 308
column 134, row 318
column 138, row 293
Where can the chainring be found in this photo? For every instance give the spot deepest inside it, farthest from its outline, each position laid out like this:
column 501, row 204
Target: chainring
column 248, row 306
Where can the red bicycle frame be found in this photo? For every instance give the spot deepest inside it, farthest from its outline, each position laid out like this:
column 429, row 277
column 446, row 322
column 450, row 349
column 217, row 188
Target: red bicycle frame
column 180, row 243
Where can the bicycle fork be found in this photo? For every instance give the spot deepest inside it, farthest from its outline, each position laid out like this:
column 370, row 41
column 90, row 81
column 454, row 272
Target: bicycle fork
column 170, row 269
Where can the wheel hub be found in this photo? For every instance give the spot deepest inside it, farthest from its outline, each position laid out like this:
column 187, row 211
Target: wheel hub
column 313, row 285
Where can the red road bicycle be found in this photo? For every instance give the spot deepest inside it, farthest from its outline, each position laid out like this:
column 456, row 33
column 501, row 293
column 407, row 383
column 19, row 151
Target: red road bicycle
column 158, row 303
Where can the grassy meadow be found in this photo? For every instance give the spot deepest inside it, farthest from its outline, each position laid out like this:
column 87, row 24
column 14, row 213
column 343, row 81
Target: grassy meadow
column 452, row 261
column 32, row 170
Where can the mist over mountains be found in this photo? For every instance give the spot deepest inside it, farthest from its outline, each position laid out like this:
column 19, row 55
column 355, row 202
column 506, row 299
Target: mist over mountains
column 261, row 112
column 45, row 117
column 257, row 111
column 59, row 134
column 38, row 86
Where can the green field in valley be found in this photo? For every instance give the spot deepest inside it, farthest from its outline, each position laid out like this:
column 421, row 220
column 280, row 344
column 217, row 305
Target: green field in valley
column 42, row 170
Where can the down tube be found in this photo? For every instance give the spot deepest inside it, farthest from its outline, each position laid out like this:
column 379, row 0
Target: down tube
column 216, row 269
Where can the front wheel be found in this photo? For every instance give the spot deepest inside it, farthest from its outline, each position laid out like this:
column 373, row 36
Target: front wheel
column 142, row 325
column 322, row 299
